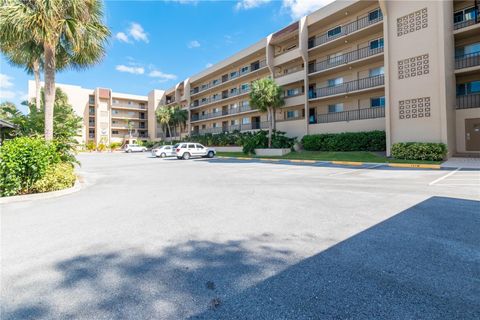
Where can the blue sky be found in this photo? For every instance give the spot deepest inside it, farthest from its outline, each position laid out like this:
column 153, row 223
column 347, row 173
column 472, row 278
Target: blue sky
column 156, row 44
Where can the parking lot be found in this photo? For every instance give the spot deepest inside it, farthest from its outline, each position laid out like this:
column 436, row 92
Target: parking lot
column 149, row 238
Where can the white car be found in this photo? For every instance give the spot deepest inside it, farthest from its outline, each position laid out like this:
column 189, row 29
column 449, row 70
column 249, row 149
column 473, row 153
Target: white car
column 186, row 150
column 134, row 148
column 164, row 151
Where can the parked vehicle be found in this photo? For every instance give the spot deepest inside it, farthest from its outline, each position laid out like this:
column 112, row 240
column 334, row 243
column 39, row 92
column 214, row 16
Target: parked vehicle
column 134, row 148
column 164, row 151
column 186, row 150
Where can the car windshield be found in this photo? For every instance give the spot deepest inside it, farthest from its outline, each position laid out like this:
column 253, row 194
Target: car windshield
column 176, row 145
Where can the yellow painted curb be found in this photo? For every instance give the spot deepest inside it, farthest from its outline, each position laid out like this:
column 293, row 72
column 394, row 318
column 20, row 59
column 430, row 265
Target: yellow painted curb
column 414, row 165
column 243, row 158
column 349, row 163
column 268, row 159
column 302, row 161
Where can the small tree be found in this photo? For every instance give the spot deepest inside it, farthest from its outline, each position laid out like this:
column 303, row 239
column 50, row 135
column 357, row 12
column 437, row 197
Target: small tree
column 164, row 117
column 179, row 118
column 266, row 96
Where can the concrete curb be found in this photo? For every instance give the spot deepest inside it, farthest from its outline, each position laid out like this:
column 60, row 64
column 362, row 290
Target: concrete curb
column 79, row 184
column 344, row 163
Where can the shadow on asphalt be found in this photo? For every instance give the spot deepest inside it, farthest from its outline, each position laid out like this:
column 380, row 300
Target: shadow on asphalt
column 423, row 263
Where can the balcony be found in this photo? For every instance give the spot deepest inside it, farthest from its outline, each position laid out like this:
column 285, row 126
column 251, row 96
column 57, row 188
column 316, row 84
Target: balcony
column 222, row 113
column 347, row 87
column 468, row 20
column 358, row 114
column 238, row 127
column 128, row 107
column 347, row 29
column 290, row 76
column 468, row 101
column 240, row 73
column 220, row 98
column 344, row 59
column 467, row 60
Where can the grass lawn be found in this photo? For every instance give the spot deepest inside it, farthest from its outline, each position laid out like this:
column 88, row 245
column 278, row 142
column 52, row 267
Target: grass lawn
column 360, row 156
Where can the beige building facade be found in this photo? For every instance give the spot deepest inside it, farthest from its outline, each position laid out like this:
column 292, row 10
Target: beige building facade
column 411, row 68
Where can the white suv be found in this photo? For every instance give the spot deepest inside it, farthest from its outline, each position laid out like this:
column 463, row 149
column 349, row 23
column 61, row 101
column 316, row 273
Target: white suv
column 134, row 148
column 186, row 150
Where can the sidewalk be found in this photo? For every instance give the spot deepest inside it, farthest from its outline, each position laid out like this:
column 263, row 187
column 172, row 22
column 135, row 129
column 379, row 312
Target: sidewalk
column 465, row 163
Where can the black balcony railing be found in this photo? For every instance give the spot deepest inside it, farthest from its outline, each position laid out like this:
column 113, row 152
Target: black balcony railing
column 347, row 29
column 238, row 127
column 253, row 67
column 467, row 60
column 468, row 101
column 231, row 111
column 224, row 96
column 346, row 87
column 344, row 58
column 358, row 114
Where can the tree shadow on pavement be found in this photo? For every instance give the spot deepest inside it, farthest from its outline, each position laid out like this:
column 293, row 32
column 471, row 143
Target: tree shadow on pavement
column 422, row 263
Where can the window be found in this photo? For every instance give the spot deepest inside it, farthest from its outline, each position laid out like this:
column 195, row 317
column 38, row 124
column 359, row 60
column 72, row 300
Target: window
column 204, row 86
column 115, row 112
column 215, row 110
column 377, row 102
column 91, row 99
column 91, row 110
column 375, row 44
column 199, row 146
column 204, row 126
column 216, row 96
column 191, row 146
column 234, row 122
column 338, row 107
column 233, row 90
column 245, row 87
column 468, row 88
column 91, row 133
column 233, row 74
column 214, row 125
column 335, row 82
column 468, row 49
column 244, row 69
column 293, row 92
column 334, row 31
column 335, row 58
column 129, row 102
column 246, row 120
column 114, row 131
column 292, row 114
column 114, row 101
column 215, row 82
column 376, row 71
column 374, row 15
column 311, row 42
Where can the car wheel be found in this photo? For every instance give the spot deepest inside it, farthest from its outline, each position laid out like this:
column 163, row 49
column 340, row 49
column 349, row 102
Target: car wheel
column 186, row 156
column 163, row 155
column 210, row 154
column 128, row 150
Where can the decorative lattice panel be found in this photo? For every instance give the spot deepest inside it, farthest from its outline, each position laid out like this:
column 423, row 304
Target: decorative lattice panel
column 412, row 67
column 412, row 22
column 414, row 108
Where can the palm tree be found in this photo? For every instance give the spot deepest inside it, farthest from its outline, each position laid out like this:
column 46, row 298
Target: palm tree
column 266, row 96
column 164, row 117
column 179, row 118
column 70, row 32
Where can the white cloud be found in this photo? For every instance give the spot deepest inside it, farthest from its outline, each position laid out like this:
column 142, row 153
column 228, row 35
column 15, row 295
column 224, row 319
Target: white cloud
column 137, row 32
column 193, row 44
column 121, row 36
column 300, row 8
column 132, row 70
column 186, row 1
column 162, row 76
column 5, row 81
column 208, row 65
column 250, row 4
column 7, row 95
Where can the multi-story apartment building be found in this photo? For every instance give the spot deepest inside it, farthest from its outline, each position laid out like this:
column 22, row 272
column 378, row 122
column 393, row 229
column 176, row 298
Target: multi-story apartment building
column 411, row 68
column 107, row 116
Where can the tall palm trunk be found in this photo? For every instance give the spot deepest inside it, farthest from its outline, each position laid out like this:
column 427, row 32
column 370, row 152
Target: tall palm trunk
column 169, row 132
column 269, row 128
column 36, row 75
column 49, row 70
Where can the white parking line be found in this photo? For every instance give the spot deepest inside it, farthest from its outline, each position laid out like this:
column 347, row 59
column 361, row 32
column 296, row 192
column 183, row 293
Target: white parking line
column 443, row 177
column 355, row 170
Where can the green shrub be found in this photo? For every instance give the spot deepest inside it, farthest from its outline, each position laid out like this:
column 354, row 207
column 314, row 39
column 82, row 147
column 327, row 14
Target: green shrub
column 419, row 151
column 101, row 147
column 149, row 144
column 57, row 177
column 114, row 146
column 91, row 146
column 23, row 161
column 346, row 141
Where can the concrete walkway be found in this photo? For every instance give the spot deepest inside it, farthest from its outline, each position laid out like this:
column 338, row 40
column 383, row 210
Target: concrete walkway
column 464, row 163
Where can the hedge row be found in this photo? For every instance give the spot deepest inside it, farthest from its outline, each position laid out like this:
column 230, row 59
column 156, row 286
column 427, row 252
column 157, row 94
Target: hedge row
column 419, row 151
column 346, row 141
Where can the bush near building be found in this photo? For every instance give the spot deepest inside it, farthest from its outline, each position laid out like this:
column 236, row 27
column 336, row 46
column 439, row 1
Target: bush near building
column 419, row 151
column 59, row 176
column 25, row 161
column 346, row 141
